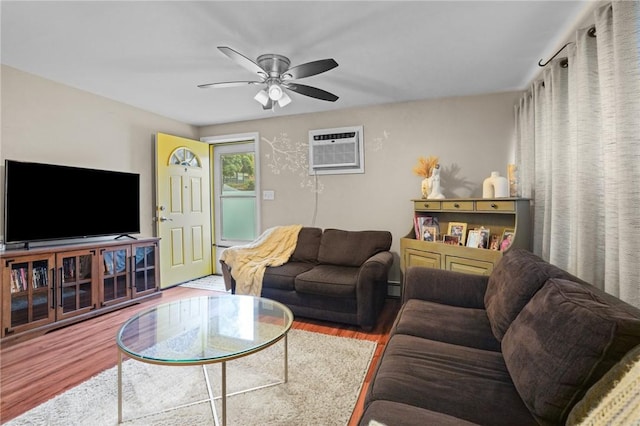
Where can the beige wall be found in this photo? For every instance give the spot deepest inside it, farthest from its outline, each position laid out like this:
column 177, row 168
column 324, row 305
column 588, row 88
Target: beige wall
column 472, row 136
column 43, row 121
column 47, row 122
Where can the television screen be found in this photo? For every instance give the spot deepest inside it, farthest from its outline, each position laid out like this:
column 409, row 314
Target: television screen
column 51, row 202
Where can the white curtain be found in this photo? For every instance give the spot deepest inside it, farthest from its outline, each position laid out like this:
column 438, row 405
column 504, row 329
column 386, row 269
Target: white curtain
column 578, row 153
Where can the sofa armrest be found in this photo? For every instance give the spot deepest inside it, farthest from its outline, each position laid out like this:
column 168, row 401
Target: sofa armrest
column 375, row 268
column 371, row 288
column 384, row 258
column 442, row 286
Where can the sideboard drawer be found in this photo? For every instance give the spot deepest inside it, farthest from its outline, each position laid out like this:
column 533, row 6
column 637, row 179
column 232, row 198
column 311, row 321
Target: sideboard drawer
column 496, row 206
column 465, row 206
column 427, row 205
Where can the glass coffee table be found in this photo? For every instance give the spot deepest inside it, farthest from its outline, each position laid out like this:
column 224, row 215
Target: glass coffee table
column 204, row 330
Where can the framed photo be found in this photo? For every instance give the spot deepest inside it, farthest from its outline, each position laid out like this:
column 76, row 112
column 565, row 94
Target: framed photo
column 495, row 242
column 453, row 240
column 416, row 227
column 458, row 229
column 426, row 221
column 507, row 238
column 430, row 233
column 473, row 239
column 483, row 241
column 421, row 223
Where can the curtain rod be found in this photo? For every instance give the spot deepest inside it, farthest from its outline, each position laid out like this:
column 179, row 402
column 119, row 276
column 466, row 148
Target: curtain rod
column 591, row 32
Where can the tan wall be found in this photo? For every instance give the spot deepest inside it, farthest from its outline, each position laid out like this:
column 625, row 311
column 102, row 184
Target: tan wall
column 472, row 136
column 43, row 121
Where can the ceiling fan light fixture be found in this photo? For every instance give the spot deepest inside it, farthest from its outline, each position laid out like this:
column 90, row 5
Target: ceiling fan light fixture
column 262, row 97
column 284, row 100
column 275, row 92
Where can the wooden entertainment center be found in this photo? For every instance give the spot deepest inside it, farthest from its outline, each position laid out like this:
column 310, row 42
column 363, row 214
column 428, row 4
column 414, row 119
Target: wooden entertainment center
column 45, row 288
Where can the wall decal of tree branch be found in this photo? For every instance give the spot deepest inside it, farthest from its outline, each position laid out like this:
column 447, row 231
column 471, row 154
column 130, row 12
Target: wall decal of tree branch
column 289, row 156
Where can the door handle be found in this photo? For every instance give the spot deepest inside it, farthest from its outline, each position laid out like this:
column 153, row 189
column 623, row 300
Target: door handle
column 164, row 219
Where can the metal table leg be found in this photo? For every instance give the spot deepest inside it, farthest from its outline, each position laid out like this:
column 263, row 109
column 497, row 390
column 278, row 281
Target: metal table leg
column 119, row 387
column 224, row 393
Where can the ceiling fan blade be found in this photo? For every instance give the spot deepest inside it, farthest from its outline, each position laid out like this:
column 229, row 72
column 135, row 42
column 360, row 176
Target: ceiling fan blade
column 313, row 92
column 228, row 84
column 309, row 69
column 243, row 61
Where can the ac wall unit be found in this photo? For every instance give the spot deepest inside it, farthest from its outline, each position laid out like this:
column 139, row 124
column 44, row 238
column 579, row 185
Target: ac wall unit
column 336, row 151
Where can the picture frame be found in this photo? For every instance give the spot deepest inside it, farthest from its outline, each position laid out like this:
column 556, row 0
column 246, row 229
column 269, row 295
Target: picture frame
column 473, row 238
column 420, row 224
column 495, row 242
column 507, row 238
column 458, row 229
column 453, row 240
column 430, row 233
column 483, row 241
column 426, row 221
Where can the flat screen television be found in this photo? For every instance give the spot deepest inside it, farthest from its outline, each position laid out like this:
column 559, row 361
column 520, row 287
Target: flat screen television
column 44, row 202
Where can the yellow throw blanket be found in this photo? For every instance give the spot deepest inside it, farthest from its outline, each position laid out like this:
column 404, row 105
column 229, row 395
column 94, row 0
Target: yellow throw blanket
column 248, row 262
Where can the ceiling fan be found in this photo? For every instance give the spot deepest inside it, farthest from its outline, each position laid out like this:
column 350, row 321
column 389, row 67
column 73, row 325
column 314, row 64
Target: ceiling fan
column 274, row 72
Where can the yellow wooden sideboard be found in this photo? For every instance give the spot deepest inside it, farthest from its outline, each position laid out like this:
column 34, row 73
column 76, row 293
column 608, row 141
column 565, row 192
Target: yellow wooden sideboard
column 494, row 214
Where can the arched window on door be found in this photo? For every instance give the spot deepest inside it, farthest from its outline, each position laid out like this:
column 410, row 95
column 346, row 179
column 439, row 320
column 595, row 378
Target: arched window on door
column 184, row 157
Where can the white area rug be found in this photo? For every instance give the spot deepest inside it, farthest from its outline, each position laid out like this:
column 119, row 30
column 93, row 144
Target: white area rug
column 210, row 282
column 326, row 374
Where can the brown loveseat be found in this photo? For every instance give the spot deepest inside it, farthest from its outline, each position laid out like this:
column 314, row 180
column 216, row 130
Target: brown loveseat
column 520, row 347
column 334, row 275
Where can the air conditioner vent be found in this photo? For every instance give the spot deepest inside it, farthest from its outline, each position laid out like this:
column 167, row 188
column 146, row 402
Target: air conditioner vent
column 336, row 151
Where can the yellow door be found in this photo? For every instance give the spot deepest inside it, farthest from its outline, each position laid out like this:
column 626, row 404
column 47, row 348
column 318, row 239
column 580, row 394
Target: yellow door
column 183, row 215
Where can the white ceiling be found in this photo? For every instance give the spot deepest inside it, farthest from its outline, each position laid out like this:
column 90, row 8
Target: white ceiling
column 151, row 55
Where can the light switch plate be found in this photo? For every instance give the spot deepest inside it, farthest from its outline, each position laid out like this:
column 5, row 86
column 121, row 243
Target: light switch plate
column 268, row 195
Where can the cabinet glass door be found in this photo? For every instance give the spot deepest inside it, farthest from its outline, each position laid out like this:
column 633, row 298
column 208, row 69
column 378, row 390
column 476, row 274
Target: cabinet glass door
column 31, row 298
column 144, row 269
column 115, row 276
column 76, row 283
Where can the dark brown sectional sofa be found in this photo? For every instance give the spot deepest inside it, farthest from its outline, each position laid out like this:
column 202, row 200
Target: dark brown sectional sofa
column 333, row 275
column 520, row 347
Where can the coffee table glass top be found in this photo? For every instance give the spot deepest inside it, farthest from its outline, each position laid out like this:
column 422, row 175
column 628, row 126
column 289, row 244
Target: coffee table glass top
column 204, row 329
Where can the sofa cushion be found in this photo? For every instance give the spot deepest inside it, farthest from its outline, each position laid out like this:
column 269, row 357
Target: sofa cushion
column 467, row 383
column 307, row 246
column 564, row 340
column 445, row 323
column 328, row 280
column 513, row 282
column 283, row 277
column 351, row 248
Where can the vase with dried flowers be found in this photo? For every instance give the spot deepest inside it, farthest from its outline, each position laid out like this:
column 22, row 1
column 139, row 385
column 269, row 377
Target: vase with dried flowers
column 424, row 169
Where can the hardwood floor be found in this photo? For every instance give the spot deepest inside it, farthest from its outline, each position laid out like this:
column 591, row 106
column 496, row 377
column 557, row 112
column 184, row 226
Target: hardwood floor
column 36, row 370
